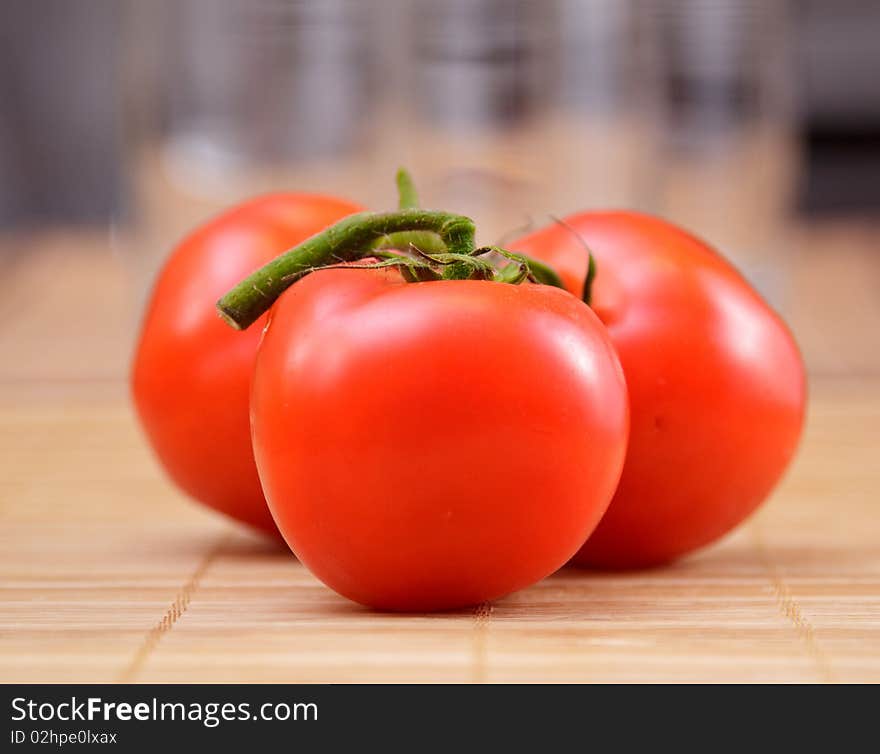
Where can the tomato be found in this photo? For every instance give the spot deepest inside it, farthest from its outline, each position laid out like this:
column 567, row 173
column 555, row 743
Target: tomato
column 716, row 383
column 433, row 445
column 191, row 373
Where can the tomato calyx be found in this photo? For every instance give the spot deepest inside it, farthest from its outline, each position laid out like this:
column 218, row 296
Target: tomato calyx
column 424, row 245
column 590, row 277
column 587, row 295
column 519, row 268
column 408, row 197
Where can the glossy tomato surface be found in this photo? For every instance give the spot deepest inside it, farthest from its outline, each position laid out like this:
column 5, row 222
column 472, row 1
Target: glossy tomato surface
column 716, row 383
column 191, row 373
column 434, row 445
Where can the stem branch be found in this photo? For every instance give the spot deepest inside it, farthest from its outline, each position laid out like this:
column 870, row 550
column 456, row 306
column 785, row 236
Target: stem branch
column 346, row 241
column 406, row 190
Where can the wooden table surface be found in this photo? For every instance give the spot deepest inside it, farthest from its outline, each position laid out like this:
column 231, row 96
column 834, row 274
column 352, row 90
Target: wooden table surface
column 108, row 574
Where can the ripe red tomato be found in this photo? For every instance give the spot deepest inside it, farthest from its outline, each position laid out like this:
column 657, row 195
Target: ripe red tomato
column 716, row 383
column 433, row 445
column 191, row 373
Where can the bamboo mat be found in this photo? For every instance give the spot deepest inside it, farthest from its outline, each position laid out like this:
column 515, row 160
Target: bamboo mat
column 108, row 574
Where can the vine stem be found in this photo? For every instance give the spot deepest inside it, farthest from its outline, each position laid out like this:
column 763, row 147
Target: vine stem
column 348, row 240
column 406, row 190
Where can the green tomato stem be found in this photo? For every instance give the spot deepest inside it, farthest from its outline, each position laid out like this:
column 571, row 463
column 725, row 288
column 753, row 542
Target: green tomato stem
column 406, row 190
column 422, row 240
column 589, row 279
column 350, row 239
column 538, row 271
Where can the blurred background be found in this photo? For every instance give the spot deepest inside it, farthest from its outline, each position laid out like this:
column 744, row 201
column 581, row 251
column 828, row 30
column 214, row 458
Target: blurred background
column 755, row 123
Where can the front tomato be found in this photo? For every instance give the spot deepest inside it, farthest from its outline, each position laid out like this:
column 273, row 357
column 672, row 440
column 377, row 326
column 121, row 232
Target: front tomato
column 434, row 445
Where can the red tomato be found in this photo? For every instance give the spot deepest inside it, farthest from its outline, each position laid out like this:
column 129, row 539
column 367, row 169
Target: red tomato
column 433, row 445
column 716, row 383
column 191, row 373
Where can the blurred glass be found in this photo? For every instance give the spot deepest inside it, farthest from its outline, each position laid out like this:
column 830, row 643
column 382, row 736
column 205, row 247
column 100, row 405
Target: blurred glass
column 512, row 110
column 508, row 110
column 231, row 98
column 722, row 73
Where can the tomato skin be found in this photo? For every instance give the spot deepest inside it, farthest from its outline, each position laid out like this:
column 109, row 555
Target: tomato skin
column 423, row 446
column 716, row 383
column 190, row 378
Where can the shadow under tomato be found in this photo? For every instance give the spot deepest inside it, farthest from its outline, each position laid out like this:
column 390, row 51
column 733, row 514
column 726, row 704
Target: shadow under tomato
column 246, row 545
